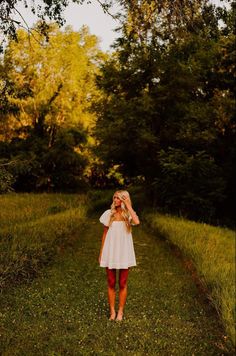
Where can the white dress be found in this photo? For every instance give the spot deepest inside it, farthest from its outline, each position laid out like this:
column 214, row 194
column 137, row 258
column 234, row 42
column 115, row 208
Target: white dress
column 118, row 249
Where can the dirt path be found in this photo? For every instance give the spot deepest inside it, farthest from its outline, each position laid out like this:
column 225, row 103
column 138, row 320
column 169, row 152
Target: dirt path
column 64, row 311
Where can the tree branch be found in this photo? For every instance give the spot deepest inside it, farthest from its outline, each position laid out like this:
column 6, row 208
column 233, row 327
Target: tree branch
column 27, row 27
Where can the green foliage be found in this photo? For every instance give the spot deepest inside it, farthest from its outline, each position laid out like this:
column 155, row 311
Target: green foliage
column 212, row 249
column 6, row 181
column 47, row 89
column 100, row 200
column 102, row 177
column 58, row 167
column 170, row 84
column 47, row 10
column 191, row 185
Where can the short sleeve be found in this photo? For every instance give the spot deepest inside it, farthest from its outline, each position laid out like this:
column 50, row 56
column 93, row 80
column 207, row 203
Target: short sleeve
column 105, row 217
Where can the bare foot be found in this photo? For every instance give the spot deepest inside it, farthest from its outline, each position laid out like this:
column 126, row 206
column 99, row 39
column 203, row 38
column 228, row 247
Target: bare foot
column 112, row 316
column 119, row 316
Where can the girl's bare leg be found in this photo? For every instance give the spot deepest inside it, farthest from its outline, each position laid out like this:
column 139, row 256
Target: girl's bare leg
column 123, row 276
column 111, row 281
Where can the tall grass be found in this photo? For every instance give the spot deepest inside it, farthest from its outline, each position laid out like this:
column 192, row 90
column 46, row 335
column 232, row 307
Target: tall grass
column 37, row 232
column 212, row 250
column 24, row 207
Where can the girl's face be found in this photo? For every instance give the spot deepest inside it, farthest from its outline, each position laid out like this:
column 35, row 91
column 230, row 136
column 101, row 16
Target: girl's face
column 117, row 200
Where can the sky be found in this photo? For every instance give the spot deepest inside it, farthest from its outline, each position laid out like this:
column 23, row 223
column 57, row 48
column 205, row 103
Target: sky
column 92, row 15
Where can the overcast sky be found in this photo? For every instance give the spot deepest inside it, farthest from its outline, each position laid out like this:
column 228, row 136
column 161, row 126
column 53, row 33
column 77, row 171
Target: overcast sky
column 91, row 15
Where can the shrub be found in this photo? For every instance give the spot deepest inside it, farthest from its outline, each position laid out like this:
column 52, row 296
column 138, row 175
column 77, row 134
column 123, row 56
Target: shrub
column 6, row 181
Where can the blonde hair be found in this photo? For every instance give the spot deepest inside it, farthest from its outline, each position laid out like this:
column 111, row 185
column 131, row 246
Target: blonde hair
column 124, row 211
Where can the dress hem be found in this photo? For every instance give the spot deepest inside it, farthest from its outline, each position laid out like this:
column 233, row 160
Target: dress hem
column 118, row 267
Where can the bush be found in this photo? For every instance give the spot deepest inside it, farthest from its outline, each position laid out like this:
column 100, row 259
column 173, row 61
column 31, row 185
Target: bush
column 191, row 185
column 6, row 181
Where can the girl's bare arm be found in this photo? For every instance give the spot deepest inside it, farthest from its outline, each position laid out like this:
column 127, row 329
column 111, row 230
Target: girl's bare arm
column 103, row 240
column 134, row 216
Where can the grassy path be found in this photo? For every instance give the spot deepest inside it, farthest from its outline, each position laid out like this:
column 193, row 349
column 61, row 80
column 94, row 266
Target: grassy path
column 65, row 312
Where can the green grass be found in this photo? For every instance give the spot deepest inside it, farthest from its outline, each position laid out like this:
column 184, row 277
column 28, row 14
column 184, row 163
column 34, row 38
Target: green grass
column 65, row 312
column 212, row 250
column 21, row 208
column 29, row 243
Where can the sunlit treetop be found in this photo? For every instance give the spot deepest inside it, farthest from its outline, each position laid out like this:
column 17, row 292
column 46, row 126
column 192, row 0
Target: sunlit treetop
column 53, row 10
column 45, row 10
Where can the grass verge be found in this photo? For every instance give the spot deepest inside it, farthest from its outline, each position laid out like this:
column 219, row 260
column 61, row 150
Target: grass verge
column 25, row 247
column 19, row 208
column 212, row 250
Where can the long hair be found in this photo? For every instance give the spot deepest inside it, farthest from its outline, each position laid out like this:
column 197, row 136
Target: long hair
column 124, row 211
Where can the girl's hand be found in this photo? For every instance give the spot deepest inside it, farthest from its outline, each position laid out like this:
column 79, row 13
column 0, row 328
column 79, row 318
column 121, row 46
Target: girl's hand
column 126, row 201
column 99, row 258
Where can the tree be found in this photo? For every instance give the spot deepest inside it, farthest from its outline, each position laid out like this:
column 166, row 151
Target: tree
column 142, row 14
column 46, row 10
column 189, row 184
column 47, row 89
column 160, row 96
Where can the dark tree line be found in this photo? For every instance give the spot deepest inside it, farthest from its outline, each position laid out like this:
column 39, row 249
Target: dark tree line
column 167, row 114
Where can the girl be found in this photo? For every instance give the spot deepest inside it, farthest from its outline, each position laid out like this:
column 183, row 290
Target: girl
column 117, row 250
